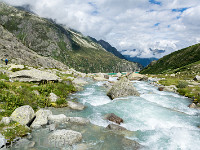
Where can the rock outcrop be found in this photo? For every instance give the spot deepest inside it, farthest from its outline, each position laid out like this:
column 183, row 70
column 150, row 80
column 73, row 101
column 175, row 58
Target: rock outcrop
column 122, row 88
column 23, row 114
column 33, row 75
column 197, row 78
column 116, row 127
column 137, row 76
column 64, row 137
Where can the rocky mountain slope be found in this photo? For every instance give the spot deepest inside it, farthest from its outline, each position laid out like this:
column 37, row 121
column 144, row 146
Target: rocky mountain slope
column 49, row 39
column 17, row 53
column 175, row 61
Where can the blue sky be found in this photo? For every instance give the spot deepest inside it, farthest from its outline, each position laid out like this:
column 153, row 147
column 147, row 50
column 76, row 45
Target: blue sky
column 128, row 24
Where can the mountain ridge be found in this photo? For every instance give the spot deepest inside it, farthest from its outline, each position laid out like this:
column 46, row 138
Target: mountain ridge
column 49, row 39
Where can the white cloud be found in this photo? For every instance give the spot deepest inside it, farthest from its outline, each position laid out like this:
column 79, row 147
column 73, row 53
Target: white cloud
column 129, row 24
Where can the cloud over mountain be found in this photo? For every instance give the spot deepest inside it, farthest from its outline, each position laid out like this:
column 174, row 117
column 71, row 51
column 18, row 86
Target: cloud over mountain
column 130, row 24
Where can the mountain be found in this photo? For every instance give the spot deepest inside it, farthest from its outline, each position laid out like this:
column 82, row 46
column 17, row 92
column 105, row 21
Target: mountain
column 143, row 61
column 12, row 49
column 176, row 61
column 49, row 39
column 108, row 47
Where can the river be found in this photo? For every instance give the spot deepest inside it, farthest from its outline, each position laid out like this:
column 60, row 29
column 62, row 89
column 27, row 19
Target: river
column 158, row 120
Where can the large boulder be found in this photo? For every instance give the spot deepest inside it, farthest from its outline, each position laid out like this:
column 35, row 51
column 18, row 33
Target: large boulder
column 78, row 120
column 122, row 88
column 112, row 117
column 75, row 105
column 64, row 137
column 41, row 118
column 33, row 75
column 58, row 118
column 23, row 114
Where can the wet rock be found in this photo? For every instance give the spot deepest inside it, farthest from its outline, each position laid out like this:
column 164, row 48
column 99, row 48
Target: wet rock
column 64, row 137
column 122, row 88
column 41, row 118
column 5, row 120
column 193, row 105
column 78, row 120
column 112, row 117
column 75, row 105
column 23, row 114
column 116, row 127
column 130, row 144
column 53, row 97
column 57, row 118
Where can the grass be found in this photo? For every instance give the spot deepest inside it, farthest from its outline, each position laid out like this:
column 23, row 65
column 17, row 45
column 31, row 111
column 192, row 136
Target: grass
column 13, row 130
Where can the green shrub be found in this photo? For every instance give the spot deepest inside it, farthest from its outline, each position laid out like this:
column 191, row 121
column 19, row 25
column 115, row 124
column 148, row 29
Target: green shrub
column 61, row 101
column 4, row 76
column 3, row 85
column 182, row 84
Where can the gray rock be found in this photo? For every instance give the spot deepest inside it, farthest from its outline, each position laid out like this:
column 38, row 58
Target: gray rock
column 81, row 146
column 58, row 118
column 100, row 79
column 193, row 105
column 122, row 88
column 5, row 120
column 24, row 144
column 80, row 82
column 130, row 144
column 79, row 120
column 41, row 118
column 33, row 75
column 197, row 78
column 75, row 105
column 64, row 137
column 23, row 114
column 2, row 141
column 36, row 92
column 53, row 97
column 112, row 117
column 106, row 76
column 116, row 127
column 52, row 127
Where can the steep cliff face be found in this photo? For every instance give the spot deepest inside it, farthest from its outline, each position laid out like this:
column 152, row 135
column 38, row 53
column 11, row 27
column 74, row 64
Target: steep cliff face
column 49, row 39
column 16, row 52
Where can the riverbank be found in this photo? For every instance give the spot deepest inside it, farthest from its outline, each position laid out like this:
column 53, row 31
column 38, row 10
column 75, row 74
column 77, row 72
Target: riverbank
column 183, row 84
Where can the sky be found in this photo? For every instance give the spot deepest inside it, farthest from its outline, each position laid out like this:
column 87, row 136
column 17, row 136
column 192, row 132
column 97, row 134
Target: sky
column 127, row 24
